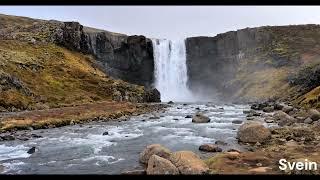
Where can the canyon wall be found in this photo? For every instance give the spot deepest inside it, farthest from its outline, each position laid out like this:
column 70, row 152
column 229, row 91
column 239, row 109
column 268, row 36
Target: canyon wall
column 129, row 58
column 253, row 63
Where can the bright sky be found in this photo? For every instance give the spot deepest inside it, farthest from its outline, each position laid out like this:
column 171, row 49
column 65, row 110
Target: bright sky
column 172, row 22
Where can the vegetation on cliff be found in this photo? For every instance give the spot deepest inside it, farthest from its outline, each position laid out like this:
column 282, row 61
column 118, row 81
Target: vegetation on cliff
column 37, row 73
column 252, row 64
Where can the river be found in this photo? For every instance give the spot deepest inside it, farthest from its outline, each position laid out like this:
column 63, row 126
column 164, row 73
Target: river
column 83, row 149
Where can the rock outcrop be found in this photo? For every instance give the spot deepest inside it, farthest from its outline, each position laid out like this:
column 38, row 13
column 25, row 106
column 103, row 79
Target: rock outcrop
column 129, row 58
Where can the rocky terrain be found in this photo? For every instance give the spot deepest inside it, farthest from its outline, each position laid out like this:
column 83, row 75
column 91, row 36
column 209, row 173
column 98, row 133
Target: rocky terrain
column 51, row 64
column 295, row 139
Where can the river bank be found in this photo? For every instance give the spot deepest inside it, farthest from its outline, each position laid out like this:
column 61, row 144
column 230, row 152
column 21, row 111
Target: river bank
column 50, row 118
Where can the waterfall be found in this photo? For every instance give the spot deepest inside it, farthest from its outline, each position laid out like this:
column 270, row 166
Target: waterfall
column 171, row 70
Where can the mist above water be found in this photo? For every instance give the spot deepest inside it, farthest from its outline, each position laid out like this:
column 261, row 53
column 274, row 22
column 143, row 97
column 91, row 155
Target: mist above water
column 171, row 70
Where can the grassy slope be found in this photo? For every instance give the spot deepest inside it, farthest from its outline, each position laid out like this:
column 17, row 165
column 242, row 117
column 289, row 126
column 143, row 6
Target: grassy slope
column 55, row 76
column 292, row 48
column 48, row 75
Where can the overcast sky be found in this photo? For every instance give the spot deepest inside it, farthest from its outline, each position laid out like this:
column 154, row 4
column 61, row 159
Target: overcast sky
column 172, row 22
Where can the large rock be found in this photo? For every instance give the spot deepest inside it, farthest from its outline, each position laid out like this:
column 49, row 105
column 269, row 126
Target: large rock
column 152, row 95
column 188, row 162
column 287, row 108
column 314, row 114
column 152, row 149
column 158, row 165
column 200, row 118
column 252, row 132
column 210, row 148
column 283, row 118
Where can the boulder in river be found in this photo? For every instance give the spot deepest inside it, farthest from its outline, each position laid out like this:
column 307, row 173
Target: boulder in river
column 170, row 102
column 236, row 122
column 160, row 166
column 105, row 133
column 314, row 114
column 188, row 162
column 154, row 117
column 210, row 148
column 188, row 116
column 252, row 132
column 31, row 150
column 151, row 95
column 36, row 136
column 152, row 149
column 200, row 118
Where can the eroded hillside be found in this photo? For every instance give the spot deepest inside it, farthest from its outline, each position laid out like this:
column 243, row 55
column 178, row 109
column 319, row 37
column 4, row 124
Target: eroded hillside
column 272, row 62
column 37, row 71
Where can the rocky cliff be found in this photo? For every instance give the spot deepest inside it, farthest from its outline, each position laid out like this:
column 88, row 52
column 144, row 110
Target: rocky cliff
column 255, row 63
column 45, row 64
column 129, row 58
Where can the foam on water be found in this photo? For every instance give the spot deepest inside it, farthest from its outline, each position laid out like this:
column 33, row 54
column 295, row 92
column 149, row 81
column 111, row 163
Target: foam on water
column 13, row 152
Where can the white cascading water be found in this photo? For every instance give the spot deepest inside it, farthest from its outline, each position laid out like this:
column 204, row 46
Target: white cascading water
column 171, row 70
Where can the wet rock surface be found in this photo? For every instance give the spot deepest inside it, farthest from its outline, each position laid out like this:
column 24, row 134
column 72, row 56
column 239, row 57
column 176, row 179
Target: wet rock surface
column 210, row 148
column 200, row 118
column 160, row 166
column 154, row 149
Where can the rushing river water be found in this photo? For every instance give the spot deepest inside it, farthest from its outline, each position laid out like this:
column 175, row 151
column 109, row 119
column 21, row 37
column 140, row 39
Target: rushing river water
column 82, row 149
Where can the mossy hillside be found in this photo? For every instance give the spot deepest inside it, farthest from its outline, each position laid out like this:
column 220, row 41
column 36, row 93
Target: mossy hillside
column 55, row 76
column 267, row 69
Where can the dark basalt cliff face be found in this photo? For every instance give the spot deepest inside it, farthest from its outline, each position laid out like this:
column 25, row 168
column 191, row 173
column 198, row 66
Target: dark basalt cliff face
column 129, row 58
column 213, row 61
column 253, row 63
